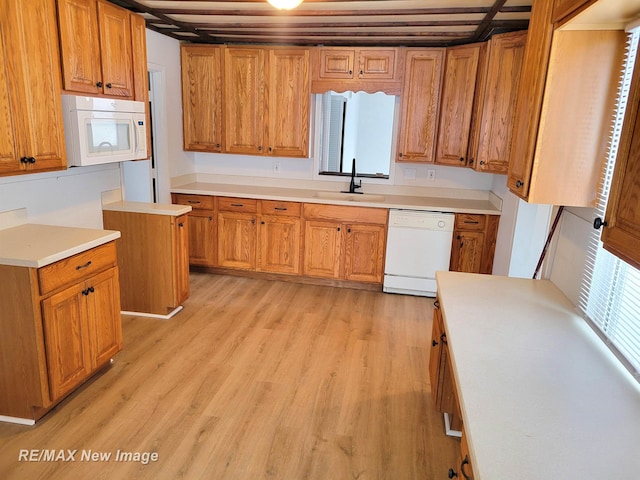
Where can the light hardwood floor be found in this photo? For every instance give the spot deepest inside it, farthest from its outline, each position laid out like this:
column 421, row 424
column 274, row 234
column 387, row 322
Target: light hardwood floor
column 256, row 379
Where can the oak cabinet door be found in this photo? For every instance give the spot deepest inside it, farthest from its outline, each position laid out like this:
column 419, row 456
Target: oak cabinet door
column 498, row 102
column 66, row 340
column 364, row 253
column 377, row 63
column 456, row 105
column 466, row 251
column 621, row 236
column 115, row 50
column 420, row 101
column 237, row 240
column 80, row 46
column 244, row 87
column 323, row 249
column 202, row 239
column 180, row 255
column 280, row 244
column 202, row 97
column 288, row 107
column 31, row 70
column 8, row 156
column 104, row 322
column 336, row 63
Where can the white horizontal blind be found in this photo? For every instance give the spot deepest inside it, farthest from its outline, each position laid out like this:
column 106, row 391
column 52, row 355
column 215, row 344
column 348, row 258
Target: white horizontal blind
column 610, row 293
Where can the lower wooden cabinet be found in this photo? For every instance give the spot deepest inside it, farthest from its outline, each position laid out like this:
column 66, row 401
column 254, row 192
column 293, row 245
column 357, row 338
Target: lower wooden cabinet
column 443, row 390
column 153, row 252
column 474, row 243
column 82, row 330
column 65, row 325
column 346, row 243
column 202, row 227
column 280, row 237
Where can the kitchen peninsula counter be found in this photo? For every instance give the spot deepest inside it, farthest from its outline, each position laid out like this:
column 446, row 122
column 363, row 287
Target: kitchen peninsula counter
column 541, row 396
column 35, row 245
column 483, row 204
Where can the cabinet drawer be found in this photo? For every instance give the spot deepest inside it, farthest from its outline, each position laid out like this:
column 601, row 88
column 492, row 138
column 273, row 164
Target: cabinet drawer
column 468, row 221
column 248, row 205
column 289, row 209
column 76, row 268
column 338, row 213
column 197, row 202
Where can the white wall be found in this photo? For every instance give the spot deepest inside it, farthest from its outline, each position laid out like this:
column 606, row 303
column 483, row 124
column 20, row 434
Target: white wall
column 70, row 197
column 163, row 57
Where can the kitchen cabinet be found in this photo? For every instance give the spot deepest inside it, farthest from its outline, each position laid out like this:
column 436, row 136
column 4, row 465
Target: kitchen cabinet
column 237, row 233
column 561, row 126
column 621, row 235
column 280, row 237
column 65, row 325
column 202, row 228
column 494, row 111
column 202, row 97
column 443, row 390
column 96, row 48
column 474, row 242
column 420, row 104
column 139, row 68
column 357, row 69
column 266, row 83
column 31, row 128
column 153, row 252
column 456, row 104
column 82, row 331
column 344, row 242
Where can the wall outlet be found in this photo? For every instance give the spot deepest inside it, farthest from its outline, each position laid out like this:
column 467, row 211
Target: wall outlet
column 431, row 175
column 276, row 167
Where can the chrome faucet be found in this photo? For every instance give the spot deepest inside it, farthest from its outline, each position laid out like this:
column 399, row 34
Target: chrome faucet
column 352, row 184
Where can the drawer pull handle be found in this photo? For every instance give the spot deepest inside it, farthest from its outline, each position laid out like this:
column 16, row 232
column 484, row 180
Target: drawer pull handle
column 282, row 209
column 436, row 304
column 194, row 202
column 237, row 205
column 80, row 267
column 471, row 222
column 443, row 339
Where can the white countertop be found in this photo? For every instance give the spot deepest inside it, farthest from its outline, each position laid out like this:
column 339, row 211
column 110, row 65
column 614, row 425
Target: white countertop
column 460, row 205
column 149, row 208
column 35, row 245
column 541, row 396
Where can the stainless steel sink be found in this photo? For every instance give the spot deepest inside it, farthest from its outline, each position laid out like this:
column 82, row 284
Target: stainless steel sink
column 350, row 197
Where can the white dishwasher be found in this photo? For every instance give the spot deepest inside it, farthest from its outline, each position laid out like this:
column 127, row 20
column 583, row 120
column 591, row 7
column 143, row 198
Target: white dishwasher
column 418, row 245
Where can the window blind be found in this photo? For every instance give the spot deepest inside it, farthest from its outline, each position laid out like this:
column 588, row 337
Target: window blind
column 610, row 292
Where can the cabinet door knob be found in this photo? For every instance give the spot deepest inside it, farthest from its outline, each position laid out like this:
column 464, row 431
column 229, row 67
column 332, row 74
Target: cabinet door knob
column 24, row 160
column 462, row 159
column 598, row 223
column 350, row 72
column 108, row 85
column 400, row 155
column 262, row 222
column 434, row 343
column 259, row 148
column 338, row 228
column 181, row 224
column 519, row 184
column 99, row 84
column 452, row 473
column 32, row 160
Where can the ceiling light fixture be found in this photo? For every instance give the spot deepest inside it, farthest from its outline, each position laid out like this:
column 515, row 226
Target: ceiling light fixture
column 284, row 4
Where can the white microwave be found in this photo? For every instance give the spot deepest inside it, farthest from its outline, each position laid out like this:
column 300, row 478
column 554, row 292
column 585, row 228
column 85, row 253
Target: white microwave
column 103, row 130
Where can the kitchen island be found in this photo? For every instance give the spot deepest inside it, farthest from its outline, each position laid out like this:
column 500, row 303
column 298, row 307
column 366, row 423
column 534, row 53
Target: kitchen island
column 540, row 395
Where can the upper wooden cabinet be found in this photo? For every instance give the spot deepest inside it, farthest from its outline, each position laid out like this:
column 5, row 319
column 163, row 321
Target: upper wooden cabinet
column 266, row 106
column 621, row 236
column 420, row 103
column 31, row 129
column 456, row 104
column 96, row 47
column 202, row 97
column 564, row 106
column 492, row 126
column 357, row 69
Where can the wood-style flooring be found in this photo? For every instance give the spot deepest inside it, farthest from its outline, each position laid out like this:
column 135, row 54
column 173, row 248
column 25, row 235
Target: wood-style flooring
column 254, row 379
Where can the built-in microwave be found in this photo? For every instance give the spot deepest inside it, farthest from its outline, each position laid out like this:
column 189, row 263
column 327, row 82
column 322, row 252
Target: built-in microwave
column 103, row 130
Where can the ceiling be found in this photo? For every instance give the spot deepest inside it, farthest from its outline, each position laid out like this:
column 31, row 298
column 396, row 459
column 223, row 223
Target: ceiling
column 426, row 23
